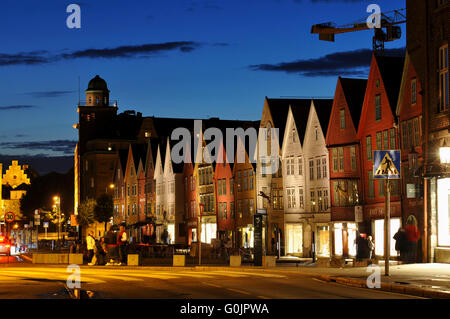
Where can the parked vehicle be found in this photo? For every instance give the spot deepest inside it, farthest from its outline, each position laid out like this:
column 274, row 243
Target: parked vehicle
column 5, row 246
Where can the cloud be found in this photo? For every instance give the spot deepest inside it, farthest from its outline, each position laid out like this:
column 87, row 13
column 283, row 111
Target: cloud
column 356, row 63
column 127, row 52
column 16, row 107
column 48, row 94
column 133, row 51
column 64, row 146
column 30, row 58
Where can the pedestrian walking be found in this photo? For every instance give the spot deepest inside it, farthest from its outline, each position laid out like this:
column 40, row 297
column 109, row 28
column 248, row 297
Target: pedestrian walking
column 412, row 237
column 400, row 244
column 122, row 241
column 371, row 247
column 90, row 243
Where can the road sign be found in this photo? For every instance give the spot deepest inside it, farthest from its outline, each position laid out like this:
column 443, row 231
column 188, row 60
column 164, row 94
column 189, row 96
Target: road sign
column 386, row 164
column 45, row 224
column 258, row 221
column 10, row 217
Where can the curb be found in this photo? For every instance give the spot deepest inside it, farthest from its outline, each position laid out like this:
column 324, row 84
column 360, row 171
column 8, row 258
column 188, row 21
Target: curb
column 408, row 290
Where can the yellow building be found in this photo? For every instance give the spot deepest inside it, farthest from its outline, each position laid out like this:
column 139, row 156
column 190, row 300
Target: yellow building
column 14, row 177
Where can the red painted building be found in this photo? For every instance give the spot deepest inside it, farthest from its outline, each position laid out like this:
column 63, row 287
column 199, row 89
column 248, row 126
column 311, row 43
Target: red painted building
column 377, row 131
column 223, row 178
column 409, row 112
column 345, row 167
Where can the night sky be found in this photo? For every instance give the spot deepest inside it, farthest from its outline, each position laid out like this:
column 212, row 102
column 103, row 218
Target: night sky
column 171, row 58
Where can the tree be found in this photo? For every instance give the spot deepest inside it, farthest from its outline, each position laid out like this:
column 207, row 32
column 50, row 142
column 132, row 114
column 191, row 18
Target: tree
column 85, row 215
column 103, row 211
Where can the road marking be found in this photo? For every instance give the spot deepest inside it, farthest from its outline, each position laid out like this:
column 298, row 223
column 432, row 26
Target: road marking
column 209, row 284
column 247, row 274
column 239, row 291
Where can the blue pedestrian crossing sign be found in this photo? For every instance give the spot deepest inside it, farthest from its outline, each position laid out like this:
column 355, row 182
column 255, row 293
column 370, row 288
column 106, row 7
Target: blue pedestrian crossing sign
column 386, row 164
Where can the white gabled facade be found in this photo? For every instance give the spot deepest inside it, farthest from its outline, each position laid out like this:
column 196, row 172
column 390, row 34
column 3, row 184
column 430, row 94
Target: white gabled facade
column 168, row 213
column 317, row 181
column 160, row 194
column 292, row 159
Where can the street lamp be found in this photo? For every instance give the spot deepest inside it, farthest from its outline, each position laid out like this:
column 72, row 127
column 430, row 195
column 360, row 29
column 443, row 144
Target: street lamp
column 57, row 206
column 202, row 206
column 444, row 152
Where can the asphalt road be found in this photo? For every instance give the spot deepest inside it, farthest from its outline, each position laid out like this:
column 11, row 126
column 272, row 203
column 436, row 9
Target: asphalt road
column 38, row 282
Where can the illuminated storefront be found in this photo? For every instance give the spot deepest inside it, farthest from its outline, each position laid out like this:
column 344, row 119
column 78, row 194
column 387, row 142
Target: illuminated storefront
column 294, row 239
column 209, row 232
column 443, row 212
column 171, row 231
column 323, row 241
column 344, row 239
column 379, row 236
column 247, row 239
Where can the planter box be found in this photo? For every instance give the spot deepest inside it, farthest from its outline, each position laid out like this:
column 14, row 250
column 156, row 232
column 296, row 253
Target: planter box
column 50, row 258
column 442, row 255
column 323, row 262
column 133, row 260
column 76, row 259
column 179, row 260
column 235, row 261
column 269, row 261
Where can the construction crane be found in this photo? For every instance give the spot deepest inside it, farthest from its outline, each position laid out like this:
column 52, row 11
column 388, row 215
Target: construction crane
column 388, row 31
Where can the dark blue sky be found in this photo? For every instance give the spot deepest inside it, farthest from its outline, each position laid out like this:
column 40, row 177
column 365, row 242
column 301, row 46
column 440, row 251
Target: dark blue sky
column 171, row 58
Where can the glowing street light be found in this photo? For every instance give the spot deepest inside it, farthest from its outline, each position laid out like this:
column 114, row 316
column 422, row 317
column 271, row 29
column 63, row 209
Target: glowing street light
column 57, row 207
column 444, row 152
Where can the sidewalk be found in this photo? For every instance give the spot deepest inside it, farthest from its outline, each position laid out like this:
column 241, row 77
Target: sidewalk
column 425, row 280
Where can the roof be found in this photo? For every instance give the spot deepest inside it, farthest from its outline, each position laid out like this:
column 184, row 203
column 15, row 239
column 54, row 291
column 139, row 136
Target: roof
column 300, row 112
column 139, row 153
column 391, row 70
column 97, row 84
column 323, row 109
column 354, row 91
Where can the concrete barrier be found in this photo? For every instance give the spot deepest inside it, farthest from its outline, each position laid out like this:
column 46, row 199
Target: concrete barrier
column 269, row 261
column 235, row 261
column 133, row 260
column 179, row 260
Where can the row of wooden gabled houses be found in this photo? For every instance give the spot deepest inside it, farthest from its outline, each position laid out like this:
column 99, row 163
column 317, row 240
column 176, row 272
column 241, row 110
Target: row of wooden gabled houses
column 324, row 191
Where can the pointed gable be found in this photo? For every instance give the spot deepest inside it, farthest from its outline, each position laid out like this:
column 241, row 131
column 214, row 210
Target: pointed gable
column 349, row 96
column 384, row 81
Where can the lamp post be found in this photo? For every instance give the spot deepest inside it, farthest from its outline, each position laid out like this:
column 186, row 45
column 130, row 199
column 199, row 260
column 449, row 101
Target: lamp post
column 200, row 233
column 57, row 206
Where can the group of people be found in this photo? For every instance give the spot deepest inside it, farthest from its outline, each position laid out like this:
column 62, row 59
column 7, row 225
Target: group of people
column 406, row 240
column 365, row 247
column 109, row 250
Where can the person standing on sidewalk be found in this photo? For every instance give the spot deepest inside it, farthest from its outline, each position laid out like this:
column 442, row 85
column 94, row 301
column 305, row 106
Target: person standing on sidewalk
column 400, row 244
column 412, row 237
column 371, row 247
column 90, row 243
column 122, row 240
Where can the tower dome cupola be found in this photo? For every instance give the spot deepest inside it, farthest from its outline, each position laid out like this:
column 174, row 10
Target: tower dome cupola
column 97, row 93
